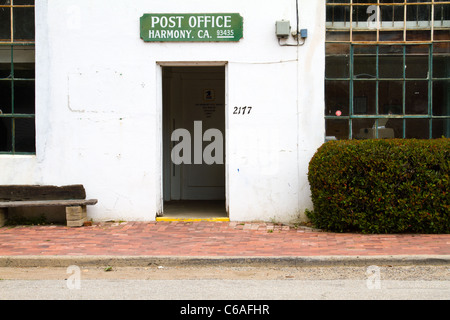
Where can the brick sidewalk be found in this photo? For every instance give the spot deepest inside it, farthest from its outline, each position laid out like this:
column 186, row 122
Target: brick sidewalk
column 209, row 239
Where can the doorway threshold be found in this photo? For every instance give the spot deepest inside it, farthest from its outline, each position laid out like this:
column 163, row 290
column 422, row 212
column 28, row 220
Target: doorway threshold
column 194, row 210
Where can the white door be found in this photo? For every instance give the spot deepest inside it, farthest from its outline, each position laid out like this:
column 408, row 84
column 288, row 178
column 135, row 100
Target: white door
column 204, row 105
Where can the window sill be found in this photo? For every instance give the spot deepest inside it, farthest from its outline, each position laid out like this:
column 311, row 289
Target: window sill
column 17, row 156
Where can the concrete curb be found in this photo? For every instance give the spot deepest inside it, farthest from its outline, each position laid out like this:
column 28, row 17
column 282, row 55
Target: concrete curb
column 145, row 261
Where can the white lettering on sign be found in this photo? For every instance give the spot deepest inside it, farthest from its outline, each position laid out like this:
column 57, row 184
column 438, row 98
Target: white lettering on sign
column 210, row 22
column 228, row 22
column 203, row 34
column 170, row 34
column 165, row 22
column 194, row 21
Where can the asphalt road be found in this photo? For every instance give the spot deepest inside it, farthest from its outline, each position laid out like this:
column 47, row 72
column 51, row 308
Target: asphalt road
column 226, row 283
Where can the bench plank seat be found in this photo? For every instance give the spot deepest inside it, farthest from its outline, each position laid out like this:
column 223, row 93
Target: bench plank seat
column 72, row 197
column 47, row 203
column 41, row 192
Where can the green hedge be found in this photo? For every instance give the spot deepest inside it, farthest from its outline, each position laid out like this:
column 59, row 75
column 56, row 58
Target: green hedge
column 381, row 186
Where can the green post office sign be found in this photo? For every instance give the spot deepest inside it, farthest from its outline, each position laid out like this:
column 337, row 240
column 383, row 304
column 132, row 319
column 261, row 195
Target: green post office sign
column 203, row 27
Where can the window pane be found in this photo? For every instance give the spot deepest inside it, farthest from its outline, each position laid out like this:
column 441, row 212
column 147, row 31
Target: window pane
column 337, row 98
column 384, row 132
column 337, row 129
column 5, row 24
column 5, row 80
column 441, row 15
column 441, row 98
column 24, row 138
column 364, row 101
column 364, row 129
column 392, row 17
column 5, row 135
column 337, row 60
column 390, row 97
column 417, row 61
column 23, row 24
column 441, row 128
column 416, row 97
column 24, row 70
column 417, row 129
column 390, row 61
column 338, row 16
column 397, row 126
column 365, row 62
column 441, row 60
column 418, row 15
column 5, row 94
column 24, row 97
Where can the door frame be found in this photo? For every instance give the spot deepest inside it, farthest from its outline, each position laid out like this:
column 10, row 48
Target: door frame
column 160, row 135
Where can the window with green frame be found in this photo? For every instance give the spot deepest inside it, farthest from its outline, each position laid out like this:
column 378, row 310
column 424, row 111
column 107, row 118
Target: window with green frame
column 387, row 69
column 17, row 77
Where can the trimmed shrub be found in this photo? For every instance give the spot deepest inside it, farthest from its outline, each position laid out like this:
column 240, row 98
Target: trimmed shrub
column 381, row 186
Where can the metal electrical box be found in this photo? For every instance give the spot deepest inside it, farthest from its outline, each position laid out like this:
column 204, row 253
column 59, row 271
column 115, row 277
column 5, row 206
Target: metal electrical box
column 283, row 29
column 304, row 33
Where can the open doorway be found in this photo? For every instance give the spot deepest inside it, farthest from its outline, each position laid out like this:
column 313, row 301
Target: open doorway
column 194, row 142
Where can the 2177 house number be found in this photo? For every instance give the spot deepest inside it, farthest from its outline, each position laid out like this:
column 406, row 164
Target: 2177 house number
column 242, row 110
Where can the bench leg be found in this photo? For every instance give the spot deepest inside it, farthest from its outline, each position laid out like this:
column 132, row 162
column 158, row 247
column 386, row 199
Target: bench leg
column 76, row 216
column 3, row 215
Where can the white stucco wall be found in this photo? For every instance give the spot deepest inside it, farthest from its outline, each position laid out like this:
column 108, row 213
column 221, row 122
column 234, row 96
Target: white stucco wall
column 98, row 105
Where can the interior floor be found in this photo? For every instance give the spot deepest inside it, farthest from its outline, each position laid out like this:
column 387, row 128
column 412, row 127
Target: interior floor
column 195, row 209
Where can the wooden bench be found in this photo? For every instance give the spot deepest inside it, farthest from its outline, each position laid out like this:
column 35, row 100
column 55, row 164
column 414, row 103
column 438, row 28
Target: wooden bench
column 72, row 197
